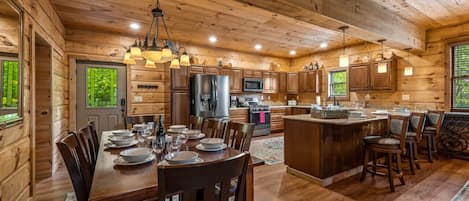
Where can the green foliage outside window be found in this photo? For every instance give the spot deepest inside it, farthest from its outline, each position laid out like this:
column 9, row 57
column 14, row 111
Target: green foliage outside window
column 101, row 87
column 338, row 83
column 461, row 76
column 10, row 81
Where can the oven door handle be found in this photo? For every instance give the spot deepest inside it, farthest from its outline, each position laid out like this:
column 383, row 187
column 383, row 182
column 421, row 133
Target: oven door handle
column 260, row 112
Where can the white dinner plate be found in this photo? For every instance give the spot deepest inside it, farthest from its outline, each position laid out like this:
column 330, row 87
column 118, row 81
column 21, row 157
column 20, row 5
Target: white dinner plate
column 202, row 148
column 198, row 160
column 182, row 157
column 122, row 162
column 110, row 145
column 200, row 136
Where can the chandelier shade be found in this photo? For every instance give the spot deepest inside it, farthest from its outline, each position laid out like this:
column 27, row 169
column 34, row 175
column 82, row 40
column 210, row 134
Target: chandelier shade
column 175, row 64
column 128, row 60
column 185, row 60
column 150, row 64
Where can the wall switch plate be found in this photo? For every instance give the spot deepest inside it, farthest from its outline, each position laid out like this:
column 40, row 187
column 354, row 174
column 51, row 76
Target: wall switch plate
column 405, row 97
column 138, row 99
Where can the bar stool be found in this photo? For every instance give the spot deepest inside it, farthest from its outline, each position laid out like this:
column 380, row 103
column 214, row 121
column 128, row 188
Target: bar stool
column 414, row 136
column 392, row 145
column 431, row 131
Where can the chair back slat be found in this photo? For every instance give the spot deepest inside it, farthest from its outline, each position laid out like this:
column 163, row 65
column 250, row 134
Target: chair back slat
column 214, row 128
column 238, row 135
column 196, row 122
column 86, row 140
column 184, row 180
column 435, row 119
column 398, row 126
column 94, row 133
column 132, row 120
column 77, row 166
column 416, row 124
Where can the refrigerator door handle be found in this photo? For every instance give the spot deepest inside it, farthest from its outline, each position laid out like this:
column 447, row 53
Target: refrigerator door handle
column 215, row 84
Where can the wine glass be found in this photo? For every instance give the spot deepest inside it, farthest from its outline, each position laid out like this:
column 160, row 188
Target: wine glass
column 176, row 144
column 183, row 139
column 158, row 146
column 140, row 137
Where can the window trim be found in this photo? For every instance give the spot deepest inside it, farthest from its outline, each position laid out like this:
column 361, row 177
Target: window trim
column 329, row 79
column 7, row 58
column 452, row 77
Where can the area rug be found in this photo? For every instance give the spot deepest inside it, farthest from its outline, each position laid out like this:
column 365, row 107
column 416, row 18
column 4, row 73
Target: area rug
column 463, row 194
column 269, row 150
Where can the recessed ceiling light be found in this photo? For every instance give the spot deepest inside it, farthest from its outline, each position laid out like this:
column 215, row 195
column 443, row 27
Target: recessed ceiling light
column 323, row 45
column 258, row 46
column 292, row 52
column 212, row 39
column 134, row 26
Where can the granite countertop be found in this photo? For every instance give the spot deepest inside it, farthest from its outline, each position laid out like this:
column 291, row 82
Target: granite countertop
column 349, row 121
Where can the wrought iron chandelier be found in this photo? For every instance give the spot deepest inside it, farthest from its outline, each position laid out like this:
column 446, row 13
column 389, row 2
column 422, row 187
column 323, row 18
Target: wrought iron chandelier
column 153, row 53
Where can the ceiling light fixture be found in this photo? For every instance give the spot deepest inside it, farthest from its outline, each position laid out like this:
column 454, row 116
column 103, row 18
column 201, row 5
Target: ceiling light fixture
column 212, row 39
column 408, row 69
column 343, row 58
column 150, row 50
column 258, row 46
column 323, row 45
column 382, row 65
column 292, row 52
column 134, row 26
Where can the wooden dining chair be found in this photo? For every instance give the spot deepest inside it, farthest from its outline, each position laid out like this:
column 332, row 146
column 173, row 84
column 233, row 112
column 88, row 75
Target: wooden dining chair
column 86, row 141
column 432, row 130
column 414, row 136
column 132, row 120
column 196, row 122
column 214, row 128
column 77, row 166
column 238, row 135
column 205, row 181
column 392, row 146
column 94, row 134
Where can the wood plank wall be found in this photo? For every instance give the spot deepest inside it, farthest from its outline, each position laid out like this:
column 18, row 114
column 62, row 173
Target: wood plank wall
column 111, row 48
column 16, row 143
column 43, row 112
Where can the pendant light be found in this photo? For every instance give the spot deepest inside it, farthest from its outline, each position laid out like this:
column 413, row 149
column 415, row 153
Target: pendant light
column 185, row 59
column 128, row 60
column 382, row 65
column 175, row 64
column 135, row 51
column 344, row 58
column 408, row 69
column 150, row 64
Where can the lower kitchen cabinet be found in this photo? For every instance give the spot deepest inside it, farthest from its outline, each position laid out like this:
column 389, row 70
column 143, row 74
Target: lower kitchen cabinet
column 276, row 120
column 180, row 111
column 239, row 115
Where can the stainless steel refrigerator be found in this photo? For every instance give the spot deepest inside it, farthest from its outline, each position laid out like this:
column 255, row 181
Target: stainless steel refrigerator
column 210, row 96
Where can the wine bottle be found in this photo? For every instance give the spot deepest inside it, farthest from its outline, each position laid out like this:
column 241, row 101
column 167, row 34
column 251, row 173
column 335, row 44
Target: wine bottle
column 161, row 131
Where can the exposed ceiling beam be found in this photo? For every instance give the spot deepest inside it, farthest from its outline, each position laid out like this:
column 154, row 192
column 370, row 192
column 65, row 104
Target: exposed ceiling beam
column 367, row 20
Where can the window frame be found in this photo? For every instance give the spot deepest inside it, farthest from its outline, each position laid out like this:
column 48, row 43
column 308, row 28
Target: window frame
column 7, row 58
column 87, row 106
column 329, row 84
column 453, row 77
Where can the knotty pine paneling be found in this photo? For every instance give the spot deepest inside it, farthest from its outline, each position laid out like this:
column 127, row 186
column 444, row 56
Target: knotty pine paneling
column 16, row 169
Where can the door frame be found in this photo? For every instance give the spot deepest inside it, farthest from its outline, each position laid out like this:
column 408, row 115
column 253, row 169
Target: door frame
column 72, row 62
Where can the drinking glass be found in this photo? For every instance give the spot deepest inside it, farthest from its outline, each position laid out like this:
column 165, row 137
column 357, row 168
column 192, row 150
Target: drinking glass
column 140, row 138
column 183, row 139
column 158, row 146
column 176, row 144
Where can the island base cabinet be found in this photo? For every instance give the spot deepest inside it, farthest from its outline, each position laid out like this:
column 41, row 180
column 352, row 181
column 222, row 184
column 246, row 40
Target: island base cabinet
column 324, row 150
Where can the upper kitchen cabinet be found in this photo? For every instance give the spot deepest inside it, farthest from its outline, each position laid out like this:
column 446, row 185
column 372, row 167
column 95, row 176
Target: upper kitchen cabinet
column 282, row 82
column 383, row 77
column 252, row 73
column 180, row 79
column 292, row 83
column 212, row 70
column 236, row 79
column 307, row 82
column 359, row 77
column 270, row 82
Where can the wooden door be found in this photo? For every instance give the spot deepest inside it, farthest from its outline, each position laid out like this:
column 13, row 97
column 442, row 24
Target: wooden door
column 274, row 82
column 302, row 77
column 180, row 107
column 267, row 82
column 237, row 77
column 310, row 82
column 282, row 82
column 292, row 83
column 101, row 92
column 180, row 79
column 381, row 80
column 359, row 77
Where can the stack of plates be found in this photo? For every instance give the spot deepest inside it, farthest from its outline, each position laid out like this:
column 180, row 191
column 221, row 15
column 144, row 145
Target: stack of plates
column 176, row 129
column 211, row 144
column 193, row 134
column 135, row 156
column 182, row 157
column 121, row 139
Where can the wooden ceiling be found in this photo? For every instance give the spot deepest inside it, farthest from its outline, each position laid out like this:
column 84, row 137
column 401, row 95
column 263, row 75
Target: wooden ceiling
column 239, row 26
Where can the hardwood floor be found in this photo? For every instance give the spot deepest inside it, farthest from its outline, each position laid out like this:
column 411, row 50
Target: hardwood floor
column 440, row 180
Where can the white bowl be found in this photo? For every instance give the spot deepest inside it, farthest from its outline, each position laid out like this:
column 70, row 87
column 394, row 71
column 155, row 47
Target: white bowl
column 355, row 114
column 172, row 131
column 139, row 127
column 181, row 157
column 192, row 133
column 211, row 143
column 136, row 154
column 121, row 132
column 177, row 128
column 121, row 140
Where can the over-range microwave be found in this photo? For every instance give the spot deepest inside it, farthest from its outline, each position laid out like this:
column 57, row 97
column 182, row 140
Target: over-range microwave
column 253, row 85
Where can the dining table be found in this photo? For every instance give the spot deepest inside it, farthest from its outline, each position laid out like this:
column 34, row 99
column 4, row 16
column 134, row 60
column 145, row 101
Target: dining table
column 140, row 182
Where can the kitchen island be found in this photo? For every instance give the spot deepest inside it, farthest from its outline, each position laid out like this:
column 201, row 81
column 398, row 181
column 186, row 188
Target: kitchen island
column 327, row 150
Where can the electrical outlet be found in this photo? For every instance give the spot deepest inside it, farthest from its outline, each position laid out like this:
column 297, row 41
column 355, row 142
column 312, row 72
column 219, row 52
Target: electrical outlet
column 405, row 97
column 138, row 99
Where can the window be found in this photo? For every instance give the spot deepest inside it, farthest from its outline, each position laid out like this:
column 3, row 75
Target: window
column 101, row 87
column 9, row 84
column 338, row 83
column 460, row 77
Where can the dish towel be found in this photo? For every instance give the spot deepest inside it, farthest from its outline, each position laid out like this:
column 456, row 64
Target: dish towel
column 262, row 117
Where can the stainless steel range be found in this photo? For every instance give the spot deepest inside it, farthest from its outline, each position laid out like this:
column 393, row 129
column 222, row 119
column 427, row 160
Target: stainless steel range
column 260, row 116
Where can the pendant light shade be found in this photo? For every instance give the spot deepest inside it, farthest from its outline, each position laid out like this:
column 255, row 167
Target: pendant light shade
column 408, row 69
column 382, row 65
column 150, row 64
column 152, row 55
column 185, row 60
column 175, row 64
column 343, row 61
column 128, row 60
column 344, row 58
column 135, row 51
column 166, row 55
